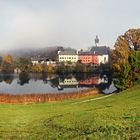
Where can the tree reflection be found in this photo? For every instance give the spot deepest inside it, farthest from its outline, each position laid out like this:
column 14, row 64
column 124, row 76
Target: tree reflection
column 64, row 81
column 44, row 77
column 23, row 78
column 8, row 79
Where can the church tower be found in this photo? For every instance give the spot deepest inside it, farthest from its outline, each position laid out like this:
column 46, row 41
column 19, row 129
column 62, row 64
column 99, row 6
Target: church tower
column 96, row 41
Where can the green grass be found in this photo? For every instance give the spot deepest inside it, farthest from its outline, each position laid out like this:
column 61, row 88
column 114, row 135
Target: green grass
column 114, row 118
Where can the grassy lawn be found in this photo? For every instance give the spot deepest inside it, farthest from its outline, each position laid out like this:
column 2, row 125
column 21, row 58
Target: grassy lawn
column 115, row 117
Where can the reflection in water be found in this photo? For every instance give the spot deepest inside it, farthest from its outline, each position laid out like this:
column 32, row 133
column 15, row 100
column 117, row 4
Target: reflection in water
column 7, row 78
column 68, row 82
column 103, row 82
column 23, row 78
column 52, row 83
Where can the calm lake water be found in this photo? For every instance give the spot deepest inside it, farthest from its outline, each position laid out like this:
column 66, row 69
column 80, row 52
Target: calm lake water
column 51, row 83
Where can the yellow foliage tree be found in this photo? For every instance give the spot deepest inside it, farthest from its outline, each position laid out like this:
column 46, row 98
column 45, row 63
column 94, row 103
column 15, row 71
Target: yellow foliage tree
column 50, row 68
column 37, row 68
column 7, row 58
column 121, row 53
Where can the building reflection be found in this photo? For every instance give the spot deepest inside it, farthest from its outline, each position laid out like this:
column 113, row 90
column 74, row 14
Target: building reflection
column 68, row 82
column 101, row 82
column 94, row 80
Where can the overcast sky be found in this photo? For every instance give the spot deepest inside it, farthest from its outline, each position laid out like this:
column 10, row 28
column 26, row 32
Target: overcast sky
column 70, row 23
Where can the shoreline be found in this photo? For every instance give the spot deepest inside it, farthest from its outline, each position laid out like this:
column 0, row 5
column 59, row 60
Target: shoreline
column 7, row 98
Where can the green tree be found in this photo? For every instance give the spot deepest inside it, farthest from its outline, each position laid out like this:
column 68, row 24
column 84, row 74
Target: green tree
column 134, row 61
column 23, row 63
column 122, row 82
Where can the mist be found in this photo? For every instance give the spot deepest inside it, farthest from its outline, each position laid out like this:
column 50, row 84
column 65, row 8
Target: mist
column 69, row 23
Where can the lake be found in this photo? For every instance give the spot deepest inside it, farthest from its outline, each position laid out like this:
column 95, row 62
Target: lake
column 53, row 83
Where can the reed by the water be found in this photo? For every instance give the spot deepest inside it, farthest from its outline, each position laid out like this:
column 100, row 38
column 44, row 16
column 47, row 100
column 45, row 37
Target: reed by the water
column 33, row 98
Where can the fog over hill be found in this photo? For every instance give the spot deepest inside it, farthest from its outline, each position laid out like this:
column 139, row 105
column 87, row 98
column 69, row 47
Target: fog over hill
column 49, row 52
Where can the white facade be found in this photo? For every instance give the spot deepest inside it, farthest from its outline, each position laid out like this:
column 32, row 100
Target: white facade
column 34, row 62
column 43, row 62
column 103, row 59
column 68, row 58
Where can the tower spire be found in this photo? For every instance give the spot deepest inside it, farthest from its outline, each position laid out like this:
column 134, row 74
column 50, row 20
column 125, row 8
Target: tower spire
column 96, row 40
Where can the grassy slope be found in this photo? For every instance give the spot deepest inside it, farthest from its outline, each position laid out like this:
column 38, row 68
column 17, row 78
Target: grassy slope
column 115, row 117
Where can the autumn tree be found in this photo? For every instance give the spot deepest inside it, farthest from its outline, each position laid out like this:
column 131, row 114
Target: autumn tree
column 7, row 63
column 8, row 58
column 37, row 68
column 126, row 59
column 121, row 53
column 50, row 68
column 133, row 38
column 123, row 47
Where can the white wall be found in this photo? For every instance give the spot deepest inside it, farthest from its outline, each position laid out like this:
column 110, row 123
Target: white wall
column 103, row 59
column 35, row 62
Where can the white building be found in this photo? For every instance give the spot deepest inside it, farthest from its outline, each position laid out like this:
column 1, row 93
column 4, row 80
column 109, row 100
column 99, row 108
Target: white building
column 42, row 61
column 68, row 56
column 102, row 52
column 34, row 62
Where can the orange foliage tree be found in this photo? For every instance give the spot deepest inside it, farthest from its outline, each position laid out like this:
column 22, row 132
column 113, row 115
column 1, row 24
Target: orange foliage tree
column 124, row 46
